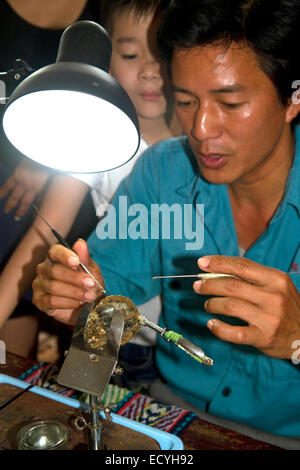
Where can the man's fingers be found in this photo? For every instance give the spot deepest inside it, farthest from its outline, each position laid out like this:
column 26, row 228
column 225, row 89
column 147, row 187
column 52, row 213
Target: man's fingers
column 233, row 334
column 60, row 285
column 230, row 287
column 232, row 307
column 71, row 257
column 52, row 280
column 81, row 249
column 241, row 267
column 59, row 272
column 59, row 289
column 77, row 277
column 64, row 316
column 51, row 302
column 63, row 255
column 47, row 302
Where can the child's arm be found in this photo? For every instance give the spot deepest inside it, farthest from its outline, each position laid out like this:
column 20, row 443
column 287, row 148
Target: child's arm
column 60, row 206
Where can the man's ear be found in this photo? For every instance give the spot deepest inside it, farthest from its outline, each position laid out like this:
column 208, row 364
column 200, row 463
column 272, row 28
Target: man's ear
column 293, row 107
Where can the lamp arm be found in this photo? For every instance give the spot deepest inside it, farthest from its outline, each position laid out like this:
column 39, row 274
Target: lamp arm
column 19, row 71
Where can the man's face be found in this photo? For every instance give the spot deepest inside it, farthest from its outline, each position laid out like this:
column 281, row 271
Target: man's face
column 136, row 65
column 230, row 111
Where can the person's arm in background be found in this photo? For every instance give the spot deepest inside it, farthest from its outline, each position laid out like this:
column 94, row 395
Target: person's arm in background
column 23, row 185
column 60, row 206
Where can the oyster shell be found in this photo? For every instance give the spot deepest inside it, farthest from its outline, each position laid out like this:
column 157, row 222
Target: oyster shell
column 98, row 323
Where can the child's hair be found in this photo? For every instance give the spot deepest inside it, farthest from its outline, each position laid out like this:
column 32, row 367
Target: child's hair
column 139, row 7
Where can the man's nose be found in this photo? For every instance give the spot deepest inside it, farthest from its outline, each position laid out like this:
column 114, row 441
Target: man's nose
column 206, row 123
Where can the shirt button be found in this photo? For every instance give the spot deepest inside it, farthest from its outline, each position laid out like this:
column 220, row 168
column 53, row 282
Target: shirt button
column 226, row 391
column 175, row 285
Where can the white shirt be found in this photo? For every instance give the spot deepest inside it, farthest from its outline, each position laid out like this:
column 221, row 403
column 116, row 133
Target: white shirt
column 105, row 184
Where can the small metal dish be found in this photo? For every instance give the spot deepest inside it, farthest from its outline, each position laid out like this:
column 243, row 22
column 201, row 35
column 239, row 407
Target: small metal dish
column 43, row 435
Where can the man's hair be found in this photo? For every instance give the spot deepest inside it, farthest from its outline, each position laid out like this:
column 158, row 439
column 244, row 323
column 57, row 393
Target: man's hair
column 109, row 8
column 271, row 28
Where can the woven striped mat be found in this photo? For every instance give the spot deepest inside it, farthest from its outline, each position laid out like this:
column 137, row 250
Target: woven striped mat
column 123, row 402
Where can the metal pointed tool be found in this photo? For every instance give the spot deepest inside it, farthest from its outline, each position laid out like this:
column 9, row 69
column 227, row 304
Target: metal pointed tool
column 199, row 276
column 171, row 336
column 66, row 245
column 207, row 275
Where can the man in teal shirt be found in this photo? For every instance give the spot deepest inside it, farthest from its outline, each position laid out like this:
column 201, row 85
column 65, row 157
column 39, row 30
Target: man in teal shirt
column 235, row 180
column 243, row 384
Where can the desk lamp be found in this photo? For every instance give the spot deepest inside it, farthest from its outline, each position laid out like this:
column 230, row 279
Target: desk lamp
column 72, row 115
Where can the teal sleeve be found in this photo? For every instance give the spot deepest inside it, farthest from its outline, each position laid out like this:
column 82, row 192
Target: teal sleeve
column 128, row 256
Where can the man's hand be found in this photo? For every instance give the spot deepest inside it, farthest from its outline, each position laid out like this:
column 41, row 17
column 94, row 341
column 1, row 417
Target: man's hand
column 23, row 185
column 60, row 288
column 265, row 298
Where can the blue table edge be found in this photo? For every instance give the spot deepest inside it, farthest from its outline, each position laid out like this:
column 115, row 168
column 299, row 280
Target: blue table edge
column 165, row 440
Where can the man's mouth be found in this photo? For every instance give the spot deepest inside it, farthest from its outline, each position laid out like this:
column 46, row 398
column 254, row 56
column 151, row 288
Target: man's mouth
column 213, row 160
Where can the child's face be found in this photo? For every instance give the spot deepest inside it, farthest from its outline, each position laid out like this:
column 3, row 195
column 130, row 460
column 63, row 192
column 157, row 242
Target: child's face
column 135, row 63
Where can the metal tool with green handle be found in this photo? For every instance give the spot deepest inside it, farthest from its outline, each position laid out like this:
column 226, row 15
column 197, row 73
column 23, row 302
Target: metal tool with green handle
column 171, row 336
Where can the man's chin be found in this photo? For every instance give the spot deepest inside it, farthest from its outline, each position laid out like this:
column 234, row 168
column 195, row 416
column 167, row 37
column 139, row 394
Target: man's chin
column 215, row 176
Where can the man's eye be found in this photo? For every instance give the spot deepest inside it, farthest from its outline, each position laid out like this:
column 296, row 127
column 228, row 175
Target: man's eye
column 129, row 56
column 232, row 105
column 184, row 104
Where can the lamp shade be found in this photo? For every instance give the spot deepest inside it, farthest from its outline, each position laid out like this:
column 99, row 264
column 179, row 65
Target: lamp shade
column 73, row 115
